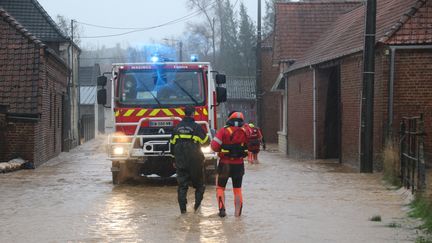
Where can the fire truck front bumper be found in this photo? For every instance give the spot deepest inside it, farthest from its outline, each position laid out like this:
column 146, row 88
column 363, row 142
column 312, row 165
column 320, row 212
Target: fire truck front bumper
column 160, row 146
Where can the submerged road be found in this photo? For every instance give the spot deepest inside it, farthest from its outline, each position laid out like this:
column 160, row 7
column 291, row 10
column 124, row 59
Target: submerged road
column 71, row 199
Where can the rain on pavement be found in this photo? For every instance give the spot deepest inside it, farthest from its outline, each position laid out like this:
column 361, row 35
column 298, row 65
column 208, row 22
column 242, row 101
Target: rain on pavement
column 71, row 199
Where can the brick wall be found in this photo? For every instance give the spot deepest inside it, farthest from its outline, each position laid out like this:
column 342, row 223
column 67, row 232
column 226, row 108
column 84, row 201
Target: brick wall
column 17, row 140
column 350, row 98
column 413, row 91
column 52, row 85
column 351, row 89
column 31, row 83
column 271, row 100
column 300, row 114
column 19, row 68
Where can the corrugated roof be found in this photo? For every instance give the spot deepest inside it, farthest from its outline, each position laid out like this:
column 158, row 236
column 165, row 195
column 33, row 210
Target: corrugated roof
column 240, row 88
column 34, row 17
column 298, row 25
column 345, row 37
column 88, row 95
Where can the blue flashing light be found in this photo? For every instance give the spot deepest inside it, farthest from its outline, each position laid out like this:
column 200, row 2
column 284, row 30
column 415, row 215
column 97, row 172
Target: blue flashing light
column 154, row 58
column 194, row 58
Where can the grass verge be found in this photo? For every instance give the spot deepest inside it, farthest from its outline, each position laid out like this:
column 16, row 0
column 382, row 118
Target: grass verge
column 391, row 164
column 422, row 209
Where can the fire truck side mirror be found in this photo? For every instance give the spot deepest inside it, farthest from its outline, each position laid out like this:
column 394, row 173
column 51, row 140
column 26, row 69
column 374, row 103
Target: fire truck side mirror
column 102, row 97
column 221, row 94
column 102, row 81
column 220, row 78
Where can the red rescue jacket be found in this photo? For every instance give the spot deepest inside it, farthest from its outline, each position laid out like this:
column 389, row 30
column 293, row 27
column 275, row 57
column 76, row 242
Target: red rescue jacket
column 231, row 143
column 254, row 139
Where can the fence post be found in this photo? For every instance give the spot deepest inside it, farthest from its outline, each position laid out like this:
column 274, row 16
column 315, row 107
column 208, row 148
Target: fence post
column 421, row 161
column 402, row 150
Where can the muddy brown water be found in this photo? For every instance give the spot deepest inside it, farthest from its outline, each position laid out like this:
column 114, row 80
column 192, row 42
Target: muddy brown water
column 71, row 199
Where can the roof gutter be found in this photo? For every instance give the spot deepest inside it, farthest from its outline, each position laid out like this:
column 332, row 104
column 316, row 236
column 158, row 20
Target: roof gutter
column 390, row 107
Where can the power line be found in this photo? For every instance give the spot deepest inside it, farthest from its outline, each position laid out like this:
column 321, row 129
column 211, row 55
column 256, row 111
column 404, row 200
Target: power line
column 133, row 30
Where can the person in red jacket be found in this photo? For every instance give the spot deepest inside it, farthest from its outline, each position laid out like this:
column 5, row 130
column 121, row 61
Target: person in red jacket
column 231, row 144
column 255, row 140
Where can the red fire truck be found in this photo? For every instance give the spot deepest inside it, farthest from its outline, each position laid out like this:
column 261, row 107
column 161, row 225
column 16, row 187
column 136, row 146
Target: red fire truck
column 147, row 101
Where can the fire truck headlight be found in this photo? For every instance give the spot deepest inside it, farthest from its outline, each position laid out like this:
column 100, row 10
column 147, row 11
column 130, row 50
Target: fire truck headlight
column 206, row 150
column 118, row 151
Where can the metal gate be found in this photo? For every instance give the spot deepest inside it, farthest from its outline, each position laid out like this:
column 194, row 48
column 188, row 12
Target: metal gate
column 87, row 128
column 412, row 167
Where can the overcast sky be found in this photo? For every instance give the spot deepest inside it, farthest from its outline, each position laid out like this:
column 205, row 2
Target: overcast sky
column 129, row 13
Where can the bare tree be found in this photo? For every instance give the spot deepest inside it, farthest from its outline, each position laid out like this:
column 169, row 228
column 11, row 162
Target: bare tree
column 205, row 7
column 198, row 39
column 64, row 24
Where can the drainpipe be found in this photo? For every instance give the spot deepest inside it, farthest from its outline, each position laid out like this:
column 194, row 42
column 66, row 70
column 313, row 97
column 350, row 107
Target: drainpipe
column 390, row 107
column 314, row 90
column 391, row 91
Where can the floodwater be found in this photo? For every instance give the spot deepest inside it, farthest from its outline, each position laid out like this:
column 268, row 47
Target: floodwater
column 71, row 199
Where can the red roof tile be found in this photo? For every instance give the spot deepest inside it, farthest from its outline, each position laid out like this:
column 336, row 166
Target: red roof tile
column 299, row 24
column 19, row 66
column 345, row 37
column 414, row 27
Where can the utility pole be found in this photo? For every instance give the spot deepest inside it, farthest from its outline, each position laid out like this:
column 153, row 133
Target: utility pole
column 366, row 148
column 258, row 70
column 78, row 89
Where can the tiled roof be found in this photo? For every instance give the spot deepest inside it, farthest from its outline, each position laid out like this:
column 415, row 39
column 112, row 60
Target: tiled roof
column 88, row 75
column 19, row 67
column 13, row 22
column 345, row 37
column 299, row 24
column 32, row 15
column 267, row 42
column 240, row 88
column 415, row 27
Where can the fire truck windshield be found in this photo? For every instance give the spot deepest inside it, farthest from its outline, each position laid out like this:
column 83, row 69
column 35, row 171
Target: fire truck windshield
column 152, row 88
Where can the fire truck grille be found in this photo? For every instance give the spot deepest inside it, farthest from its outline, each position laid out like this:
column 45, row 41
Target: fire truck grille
column 155, row 130
column 161, row 147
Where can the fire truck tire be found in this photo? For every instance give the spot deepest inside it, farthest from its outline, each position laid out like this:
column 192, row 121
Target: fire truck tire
column 115, row 170
column 123, row 171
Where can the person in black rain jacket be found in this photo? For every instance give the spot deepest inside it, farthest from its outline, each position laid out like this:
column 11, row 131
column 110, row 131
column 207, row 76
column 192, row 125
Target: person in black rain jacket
column 186, row 142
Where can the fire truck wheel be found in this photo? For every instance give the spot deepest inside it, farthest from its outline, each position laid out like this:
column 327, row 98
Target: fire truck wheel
column 123, row 171
column 115, row 169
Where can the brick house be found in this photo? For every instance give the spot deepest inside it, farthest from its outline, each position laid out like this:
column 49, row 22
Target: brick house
column 271, row 102
column 298, row 25
column 31, row 15
column 323, row 82
column 33, row 82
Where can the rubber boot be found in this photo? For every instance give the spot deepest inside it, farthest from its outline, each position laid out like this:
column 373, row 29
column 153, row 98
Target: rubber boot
column 255, row 158
column 181, row 195
column 220, row 196
column 250, row 157
column 238, row 201
column 199, row 194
